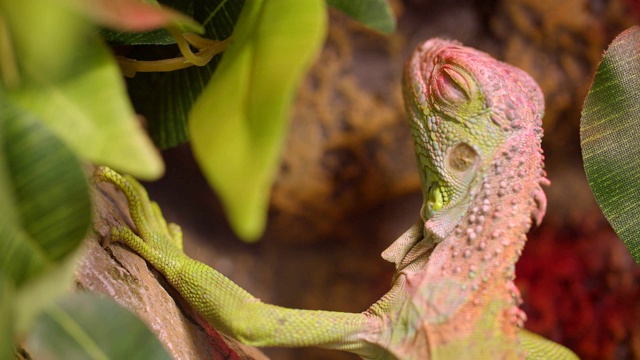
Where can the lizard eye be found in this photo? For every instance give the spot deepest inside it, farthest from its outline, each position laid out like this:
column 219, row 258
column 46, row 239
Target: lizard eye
column 452, row 87
column 461, row 157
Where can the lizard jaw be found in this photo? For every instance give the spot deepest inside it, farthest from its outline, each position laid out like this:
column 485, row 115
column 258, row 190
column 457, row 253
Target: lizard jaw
column 434, row 198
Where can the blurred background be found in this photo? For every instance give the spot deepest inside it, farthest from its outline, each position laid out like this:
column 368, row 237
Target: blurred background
column 348, row 185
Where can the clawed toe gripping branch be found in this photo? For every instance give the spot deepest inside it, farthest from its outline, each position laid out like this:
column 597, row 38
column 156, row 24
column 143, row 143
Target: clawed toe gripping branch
column 154, row 232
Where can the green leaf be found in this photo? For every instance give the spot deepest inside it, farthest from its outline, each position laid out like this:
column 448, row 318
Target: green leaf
column 375, row 14
column 6, row 318
column 86, row 326
column 42, row 289
column 166, row 98
column 91, row 112
column 43, row 34
column 46, row 211
column 156, row 37
column 75, row 86
column 45, row 197
column 239, row 122
column 609, row 135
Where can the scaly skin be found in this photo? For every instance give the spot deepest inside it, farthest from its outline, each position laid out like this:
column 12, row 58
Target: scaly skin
column 476, row 124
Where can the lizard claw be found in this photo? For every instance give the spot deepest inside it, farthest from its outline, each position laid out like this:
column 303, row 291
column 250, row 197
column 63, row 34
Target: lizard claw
column 146, row 215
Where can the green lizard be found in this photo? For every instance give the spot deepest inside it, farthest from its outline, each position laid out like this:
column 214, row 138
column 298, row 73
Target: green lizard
column 476, row 124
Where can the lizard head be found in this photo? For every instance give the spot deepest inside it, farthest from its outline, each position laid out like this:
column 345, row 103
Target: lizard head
column 462, row 105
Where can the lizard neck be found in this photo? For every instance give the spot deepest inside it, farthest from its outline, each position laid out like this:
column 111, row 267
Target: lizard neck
column 465, row 289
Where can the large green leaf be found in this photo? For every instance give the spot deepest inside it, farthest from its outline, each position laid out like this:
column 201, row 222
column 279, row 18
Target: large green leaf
column 375, row 14
column 70, row 80
column 45, row 197
column 166, row 98
column 6, row 318
column 44, row 33
column 46, row 211
column 610, row 137
column 91, row 112
column 86, row 326
column 238, row 124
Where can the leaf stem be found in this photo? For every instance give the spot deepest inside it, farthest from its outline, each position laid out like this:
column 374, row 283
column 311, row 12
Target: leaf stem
column 207, row 50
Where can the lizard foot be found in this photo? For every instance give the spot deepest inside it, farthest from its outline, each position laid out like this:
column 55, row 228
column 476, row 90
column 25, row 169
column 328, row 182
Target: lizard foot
column 156, row 238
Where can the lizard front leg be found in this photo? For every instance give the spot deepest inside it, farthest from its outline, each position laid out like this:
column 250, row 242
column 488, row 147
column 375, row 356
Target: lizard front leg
column 225, row 305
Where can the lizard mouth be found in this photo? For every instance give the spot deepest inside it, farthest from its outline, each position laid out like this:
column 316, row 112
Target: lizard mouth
column 460, row 163
column 435, row 196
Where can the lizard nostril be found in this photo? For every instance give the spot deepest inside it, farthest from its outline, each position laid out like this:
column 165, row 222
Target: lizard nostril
column 451, row 86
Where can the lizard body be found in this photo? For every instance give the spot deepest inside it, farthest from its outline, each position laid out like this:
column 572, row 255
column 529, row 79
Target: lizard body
column 476, row 124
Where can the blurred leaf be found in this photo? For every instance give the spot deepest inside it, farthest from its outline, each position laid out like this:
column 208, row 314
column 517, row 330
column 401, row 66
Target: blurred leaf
column 610, row 137
column 91, row 112
column 82, row 98
column 375, row 14
column 42, row 289
column 44, row 33
column 136, row 16
column 86, row 326
column 166, row 98
column 46, row 211
column 6, row 318
column 239, row 122
column 46, row 205
column 155, row 37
